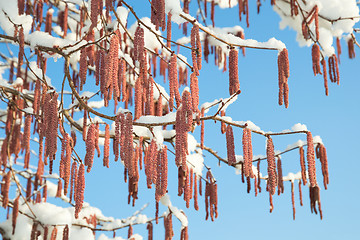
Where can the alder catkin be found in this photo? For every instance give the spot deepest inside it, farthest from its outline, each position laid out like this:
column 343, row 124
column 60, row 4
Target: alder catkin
column 315, row 53
column 270, row 155
column 311, row 159
column 234, row 85
column 280, row 176
column 15, row 213
column 293, row 199
column 338, row 48
column 230, row 146
column 323, row 63
column 90, row 147
column 79, row 190
column 73, row 179
column 106, row 146
column 247, row 152
column 334, row 69
column 149, row 227
column 302, row 165
column 351, row 49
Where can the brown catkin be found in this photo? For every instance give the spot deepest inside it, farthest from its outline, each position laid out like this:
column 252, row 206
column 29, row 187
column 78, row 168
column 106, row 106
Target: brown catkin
column 321, row 154
column 338, row 48
column 168, row 30
column 280, row 177
column 247, row 152
column 15, row 213
column 94, row 12
column 149, row 227
column 59, row 189
column 67, row 164
column 302, row 164
column 194, row 88
column 334, row 69
column 65, row 24
column 5, row 186
column 283, row 75
column 66, row 232
column 231, row 158
column 202, row 131
column 311, row 159
column 315, row 53
column 258, row 176
column 234, row 85
column 21, row 6
column 315, row 198
column 106, row 146
column 90, row 147
column 53, row 233
column 97, row 133
column 48, row 21
column 293, row 199
column 300, row 193
column 21, row 51
column 323, row 63
column 270, row 155
column 79, row 190
column 73, row 178
column 351, row 49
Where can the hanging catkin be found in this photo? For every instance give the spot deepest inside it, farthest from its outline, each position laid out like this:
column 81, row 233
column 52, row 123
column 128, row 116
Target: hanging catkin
column 230, row 146
column 90, row 147
column 247, row 152
column 283, row 75
column 270, row 155
column 323, row 63
column 106, row 146
column 79, row 190
column 315, row 53
column 311, row 159
column 234, row 85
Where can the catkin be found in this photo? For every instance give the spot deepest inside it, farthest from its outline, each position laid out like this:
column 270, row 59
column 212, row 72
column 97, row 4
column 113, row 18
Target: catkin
column 234, row 85
column 247, row 152
column 311, row 159
column 323, row 63
column 338, row 48
column 280, row 177
column 334, row 69
column 293, row 199
column 90, row 147
column 302, row 165
column 106, row 146
column 79, row 190
column 48, row 21
column 194, row 88
column 230, row 146
column 315, row 53
column 351, row 49
column 15, row 213
column 21, row 6
column 270, row 155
